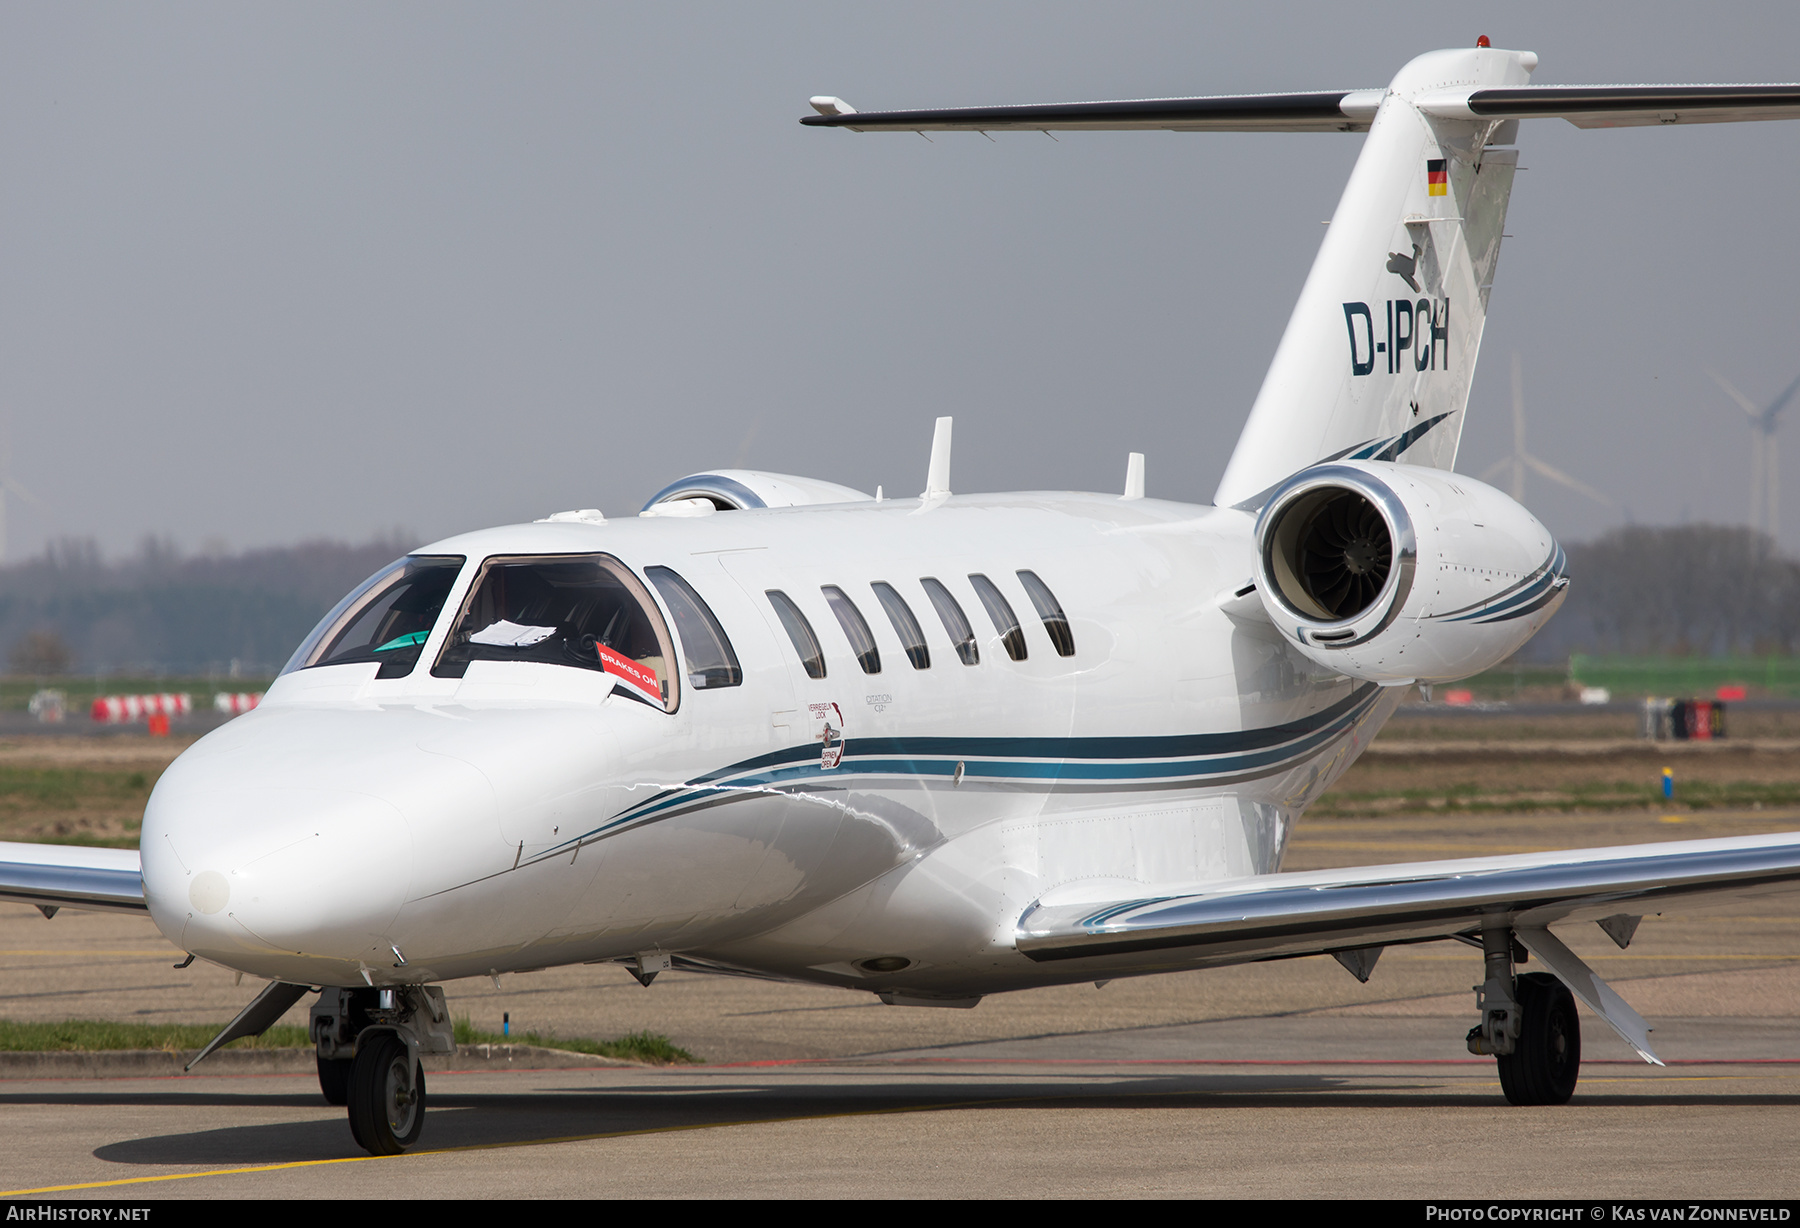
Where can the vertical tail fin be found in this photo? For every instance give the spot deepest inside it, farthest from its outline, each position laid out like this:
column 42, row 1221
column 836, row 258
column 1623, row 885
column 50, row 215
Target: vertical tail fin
column 1378, row 357
column 1379, row 354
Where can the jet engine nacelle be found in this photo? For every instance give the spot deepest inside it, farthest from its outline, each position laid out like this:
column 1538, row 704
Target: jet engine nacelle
column 1395, row 573
column 731, row 490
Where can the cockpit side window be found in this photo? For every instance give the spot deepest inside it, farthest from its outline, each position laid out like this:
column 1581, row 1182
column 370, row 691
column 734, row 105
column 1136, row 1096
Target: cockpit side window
column 705, row 651
column 799, row 631
column 1000, row 610
column 862, row 642
column 587, row 611
column 956, row 623
column 387, row 618
column 1056, row 623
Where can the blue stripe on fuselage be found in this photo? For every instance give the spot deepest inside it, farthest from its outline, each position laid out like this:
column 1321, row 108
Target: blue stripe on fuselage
column 1045, row 760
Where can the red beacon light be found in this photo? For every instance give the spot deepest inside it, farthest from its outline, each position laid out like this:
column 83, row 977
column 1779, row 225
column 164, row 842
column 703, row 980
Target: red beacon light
column 1482, row 41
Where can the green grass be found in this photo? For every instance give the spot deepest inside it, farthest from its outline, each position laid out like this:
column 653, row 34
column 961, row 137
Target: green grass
column 84, row 839
column 1508, row 682
column 1627, row 677
column 79, row 690
column 636, row 1047
column 86, row 1035
column 70, row 788
column 93, row 806
column 92, row 1035
column 1597, row 796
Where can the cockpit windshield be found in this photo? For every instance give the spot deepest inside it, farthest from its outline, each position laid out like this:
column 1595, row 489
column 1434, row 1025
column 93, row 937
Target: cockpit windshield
column 587, row 611
column 387, row 618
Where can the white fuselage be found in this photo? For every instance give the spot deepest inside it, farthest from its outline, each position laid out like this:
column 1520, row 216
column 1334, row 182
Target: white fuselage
column 524, row 815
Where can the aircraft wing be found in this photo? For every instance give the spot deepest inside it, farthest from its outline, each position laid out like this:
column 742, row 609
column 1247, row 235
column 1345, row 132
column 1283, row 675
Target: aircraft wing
column 54, row 876
column 1352, row 914
column 1585, row 106
column 1275, row 916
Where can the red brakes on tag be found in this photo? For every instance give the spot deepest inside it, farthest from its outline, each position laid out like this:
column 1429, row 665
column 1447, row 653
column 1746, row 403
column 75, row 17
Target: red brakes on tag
column 630, row 671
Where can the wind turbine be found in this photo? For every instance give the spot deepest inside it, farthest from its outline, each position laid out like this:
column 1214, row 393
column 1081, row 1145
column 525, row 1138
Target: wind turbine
column 1521, row 460
column 10, row 485
column 1765, row 466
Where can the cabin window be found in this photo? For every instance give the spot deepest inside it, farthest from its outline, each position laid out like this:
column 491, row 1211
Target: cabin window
column 862, row 643
column 586, row 611
column 956, row 623
column 1001, row 611
column 1056, row 623
column 705, row 652
column 386, row 618
column 799, row 631
column 905, row 625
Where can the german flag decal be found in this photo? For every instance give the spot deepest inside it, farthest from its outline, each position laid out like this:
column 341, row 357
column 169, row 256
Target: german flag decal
column 1435, row 179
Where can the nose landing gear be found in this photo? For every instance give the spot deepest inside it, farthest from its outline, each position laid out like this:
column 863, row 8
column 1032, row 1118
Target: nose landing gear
column 386, row 1096
column 369, row 1046
column 334, row 1079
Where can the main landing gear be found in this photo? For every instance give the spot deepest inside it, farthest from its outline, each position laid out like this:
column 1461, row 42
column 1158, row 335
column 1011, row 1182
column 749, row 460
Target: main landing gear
column 1528, row 1023
column 369, row 1044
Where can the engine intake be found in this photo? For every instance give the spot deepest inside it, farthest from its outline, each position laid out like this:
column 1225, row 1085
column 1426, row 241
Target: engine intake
column 1396, row 573
column 1337, row 550
column 1337, row 554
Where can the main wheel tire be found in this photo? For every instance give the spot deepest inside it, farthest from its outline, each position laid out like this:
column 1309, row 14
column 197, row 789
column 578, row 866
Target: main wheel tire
column 387, row 1099
column 334, row 1079
column 1543, row 1066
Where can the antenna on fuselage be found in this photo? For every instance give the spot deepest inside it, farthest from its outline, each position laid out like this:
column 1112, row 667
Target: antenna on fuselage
column 937, row 475
column 1134, row 476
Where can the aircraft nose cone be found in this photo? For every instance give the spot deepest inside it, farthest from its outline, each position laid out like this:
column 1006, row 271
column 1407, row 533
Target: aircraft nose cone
column 258, row 876
column 284, row 843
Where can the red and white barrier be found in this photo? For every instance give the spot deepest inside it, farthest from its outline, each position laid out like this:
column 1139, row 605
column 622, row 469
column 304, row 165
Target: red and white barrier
column 124, row 709
column 238, row 703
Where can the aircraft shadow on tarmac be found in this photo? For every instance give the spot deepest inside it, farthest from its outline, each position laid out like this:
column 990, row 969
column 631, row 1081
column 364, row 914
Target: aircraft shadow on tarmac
column 548, row 1113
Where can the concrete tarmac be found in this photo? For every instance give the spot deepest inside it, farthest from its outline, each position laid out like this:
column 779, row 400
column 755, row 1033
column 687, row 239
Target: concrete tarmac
column 1285, row 1079
column 928, row 1126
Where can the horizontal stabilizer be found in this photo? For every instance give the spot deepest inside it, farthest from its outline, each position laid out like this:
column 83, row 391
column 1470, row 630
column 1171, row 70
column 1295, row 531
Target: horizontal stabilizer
column 1585, row 106
column 53, row 876
column 1331, row 111
column 1619, row 106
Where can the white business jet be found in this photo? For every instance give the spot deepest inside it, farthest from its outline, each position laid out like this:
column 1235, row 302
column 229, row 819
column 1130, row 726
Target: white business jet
column 946, row 746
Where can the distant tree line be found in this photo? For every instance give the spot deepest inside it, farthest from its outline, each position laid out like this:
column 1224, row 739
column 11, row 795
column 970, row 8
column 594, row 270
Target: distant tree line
column 1685, row 590
column 1702, row 590
column 161, row 613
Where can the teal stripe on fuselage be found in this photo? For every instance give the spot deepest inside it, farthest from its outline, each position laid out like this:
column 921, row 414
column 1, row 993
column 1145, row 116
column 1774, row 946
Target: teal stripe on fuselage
column 1048, row 770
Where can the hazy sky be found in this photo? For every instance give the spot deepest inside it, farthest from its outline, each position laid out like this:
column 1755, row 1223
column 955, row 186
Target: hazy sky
column 270, row 272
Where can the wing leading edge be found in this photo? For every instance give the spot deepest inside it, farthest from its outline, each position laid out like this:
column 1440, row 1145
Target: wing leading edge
column 53, row 876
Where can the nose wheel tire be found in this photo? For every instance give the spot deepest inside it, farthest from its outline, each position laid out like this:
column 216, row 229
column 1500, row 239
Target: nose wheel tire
column 334, row 1079
column 387, row 1096
column 1544, row 1064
